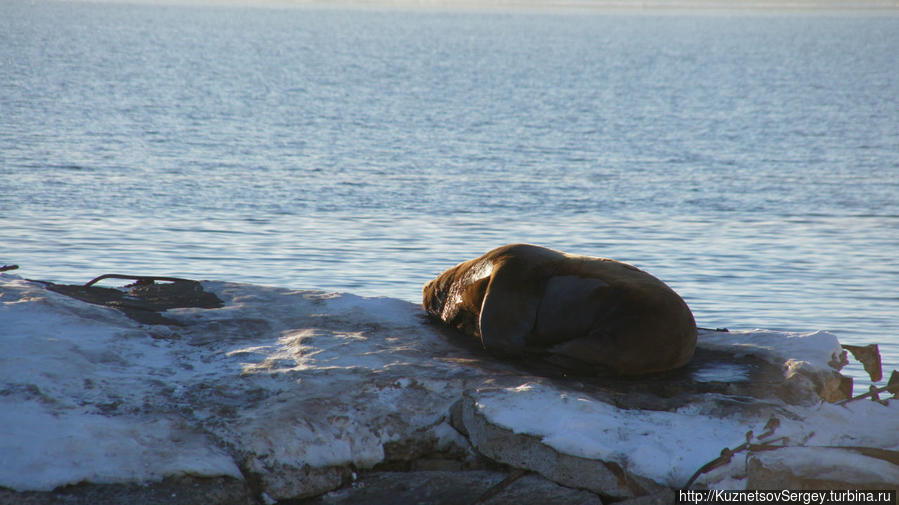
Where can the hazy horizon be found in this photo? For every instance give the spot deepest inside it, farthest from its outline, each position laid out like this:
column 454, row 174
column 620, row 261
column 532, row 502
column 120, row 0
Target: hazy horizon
column 611, row 5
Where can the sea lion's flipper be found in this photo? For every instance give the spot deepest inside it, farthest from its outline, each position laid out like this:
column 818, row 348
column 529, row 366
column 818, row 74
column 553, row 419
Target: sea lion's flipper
column 593, row 349
column 509, row 311
column 568, row 308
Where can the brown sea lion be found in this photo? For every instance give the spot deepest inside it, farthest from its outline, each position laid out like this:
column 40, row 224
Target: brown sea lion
column 604, row 314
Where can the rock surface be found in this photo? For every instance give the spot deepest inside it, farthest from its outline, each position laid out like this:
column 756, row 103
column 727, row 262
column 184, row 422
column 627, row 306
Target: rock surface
column 453, row 488
column 287, row 395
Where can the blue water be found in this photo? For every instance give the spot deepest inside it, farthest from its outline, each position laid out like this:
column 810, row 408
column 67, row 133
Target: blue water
column 749, row 160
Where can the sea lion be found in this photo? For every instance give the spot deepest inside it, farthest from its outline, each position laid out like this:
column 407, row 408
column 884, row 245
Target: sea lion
column 609, row 316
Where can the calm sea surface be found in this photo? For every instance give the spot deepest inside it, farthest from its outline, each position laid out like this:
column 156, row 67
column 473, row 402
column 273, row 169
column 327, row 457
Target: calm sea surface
column 749, row 160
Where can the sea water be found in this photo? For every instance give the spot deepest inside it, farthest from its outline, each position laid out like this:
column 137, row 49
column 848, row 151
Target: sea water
column 748, row 159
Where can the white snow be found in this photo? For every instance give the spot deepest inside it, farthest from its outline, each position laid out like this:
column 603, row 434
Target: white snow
column 817, row 350
column 40, row 449
column 304, row 379
column 665, row 446
column 670, row 446
column 845, row 466
column 59, row 358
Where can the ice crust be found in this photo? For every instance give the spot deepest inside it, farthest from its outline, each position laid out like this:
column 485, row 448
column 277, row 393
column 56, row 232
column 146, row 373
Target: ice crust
column 282, row 381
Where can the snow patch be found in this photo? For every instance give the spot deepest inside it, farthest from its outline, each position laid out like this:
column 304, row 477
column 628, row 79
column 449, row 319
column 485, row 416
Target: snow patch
column 817, row 350
column 41, row 450
column 665, row 446
column 288, row 382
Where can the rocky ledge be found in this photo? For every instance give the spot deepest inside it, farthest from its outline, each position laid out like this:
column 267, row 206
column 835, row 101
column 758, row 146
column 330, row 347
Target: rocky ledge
column 287, row 396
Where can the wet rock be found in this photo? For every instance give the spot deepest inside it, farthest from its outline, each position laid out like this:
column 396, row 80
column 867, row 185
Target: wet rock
column 533, row 490
column 526, row 451
column 293, row 395
column 663, row 497
column 454, row 488
column 181, row 490
column 423, row 488
column 810, row 362
column 823, row 468
column 145, row 300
